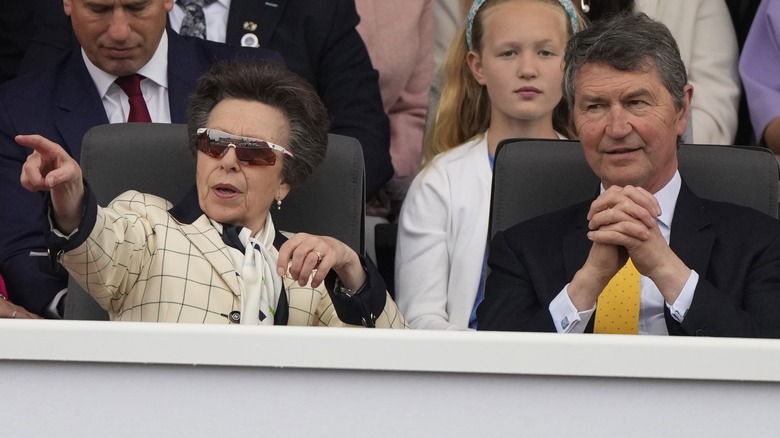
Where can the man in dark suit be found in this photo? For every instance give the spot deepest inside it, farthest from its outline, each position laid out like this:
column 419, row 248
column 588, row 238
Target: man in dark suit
column 317, row 39
column 704, row 268
column 63, row 101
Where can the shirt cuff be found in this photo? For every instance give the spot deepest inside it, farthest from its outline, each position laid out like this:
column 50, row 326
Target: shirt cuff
column 52, row 310
column 59, row 233
column 565, row 315
column 362, row 308
column 683, row 302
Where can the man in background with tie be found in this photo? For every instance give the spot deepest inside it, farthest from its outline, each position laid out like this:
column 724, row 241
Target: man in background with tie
column 318, row 39
column 127, row 68
column 647, row 256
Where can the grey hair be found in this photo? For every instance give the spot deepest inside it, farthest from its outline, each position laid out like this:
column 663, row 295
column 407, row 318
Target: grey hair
column 628, row 42
column 271, row 85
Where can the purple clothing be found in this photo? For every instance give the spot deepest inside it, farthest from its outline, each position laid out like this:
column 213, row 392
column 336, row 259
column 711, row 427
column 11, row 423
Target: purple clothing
column 759, row 66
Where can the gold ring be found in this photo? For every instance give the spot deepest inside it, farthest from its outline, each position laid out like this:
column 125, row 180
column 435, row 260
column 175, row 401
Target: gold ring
column 13, row 315
column 319, row 256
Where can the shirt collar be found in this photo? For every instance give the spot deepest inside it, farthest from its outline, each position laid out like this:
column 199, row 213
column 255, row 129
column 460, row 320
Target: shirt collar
column 667, row 199
column 156, row 69
column 187, row 210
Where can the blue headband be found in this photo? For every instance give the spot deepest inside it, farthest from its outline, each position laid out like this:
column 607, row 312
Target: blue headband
column 567, row 6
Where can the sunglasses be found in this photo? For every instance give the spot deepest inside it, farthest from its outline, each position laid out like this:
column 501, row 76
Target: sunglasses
column 249, row 150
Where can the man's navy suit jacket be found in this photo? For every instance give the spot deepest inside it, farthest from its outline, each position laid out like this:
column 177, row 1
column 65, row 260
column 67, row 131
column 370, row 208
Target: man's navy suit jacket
column 735, row 250
column 61, row 103
column 318, row 39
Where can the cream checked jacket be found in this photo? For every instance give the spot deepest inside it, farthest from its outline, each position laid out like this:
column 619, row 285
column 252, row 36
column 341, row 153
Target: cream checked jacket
column 143, row 264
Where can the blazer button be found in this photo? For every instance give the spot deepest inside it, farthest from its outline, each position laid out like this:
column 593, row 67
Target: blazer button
column 700, row 332
column 235, row 317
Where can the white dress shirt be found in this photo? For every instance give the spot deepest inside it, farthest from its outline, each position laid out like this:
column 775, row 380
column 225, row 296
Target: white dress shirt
column 154, row 87
column 651, row 306
column 216, row 19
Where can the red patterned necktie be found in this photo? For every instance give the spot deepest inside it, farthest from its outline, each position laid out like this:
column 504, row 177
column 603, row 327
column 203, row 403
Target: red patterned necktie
column 131, row 85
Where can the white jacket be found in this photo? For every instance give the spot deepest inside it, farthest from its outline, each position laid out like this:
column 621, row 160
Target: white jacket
column 442, row 237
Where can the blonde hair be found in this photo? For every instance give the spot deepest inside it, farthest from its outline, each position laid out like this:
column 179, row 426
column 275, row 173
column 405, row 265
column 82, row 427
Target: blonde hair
column 464, row 106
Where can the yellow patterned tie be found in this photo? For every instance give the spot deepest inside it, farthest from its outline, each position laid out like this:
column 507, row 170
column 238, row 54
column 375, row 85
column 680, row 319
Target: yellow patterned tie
column 617, row 309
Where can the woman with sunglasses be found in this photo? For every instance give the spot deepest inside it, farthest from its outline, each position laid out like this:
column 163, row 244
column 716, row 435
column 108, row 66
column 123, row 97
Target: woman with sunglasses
column 216, row 257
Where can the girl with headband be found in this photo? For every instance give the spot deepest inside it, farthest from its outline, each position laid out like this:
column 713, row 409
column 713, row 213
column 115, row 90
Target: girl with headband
column 502, row 79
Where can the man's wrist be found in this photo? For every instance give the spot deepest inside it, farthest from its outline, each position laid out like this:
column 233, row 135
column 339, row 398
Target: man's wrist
column 584, row 289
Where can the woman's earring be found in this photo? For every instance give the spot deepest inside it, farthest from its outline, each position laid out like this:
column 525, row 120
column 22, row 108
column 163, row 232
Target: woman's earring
column 278, row 204
column 585, row 6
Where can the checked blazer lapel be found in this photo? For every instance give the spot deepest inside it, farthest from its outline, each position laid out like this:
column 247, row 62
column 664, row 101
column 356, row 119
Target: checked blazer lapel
column 208, row 241
column 199, row 231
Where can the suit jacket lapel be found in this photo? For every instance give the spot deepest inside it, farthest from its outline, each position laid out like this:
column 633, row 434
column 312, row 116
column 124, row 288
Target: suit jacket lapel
column 264, row 13
column 79, row 106
column 692, row 236
column 202, row 234
column 575, row 245
column 184, row 65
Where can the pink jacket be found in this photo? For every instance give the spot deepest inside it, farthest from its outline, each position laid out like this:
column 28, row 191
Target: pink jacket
column 399, row 37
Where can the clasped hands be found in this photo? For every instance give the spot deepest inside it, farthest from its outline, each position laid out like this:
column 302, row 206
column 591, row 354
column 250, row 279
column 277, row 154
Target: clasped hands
column 623, row 223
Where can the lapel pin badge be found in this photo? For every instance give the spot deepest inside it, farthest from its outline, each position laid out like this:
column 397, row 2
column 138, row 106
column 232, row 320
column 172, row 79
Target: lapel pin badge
column 251, row 26
column 250, row 40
